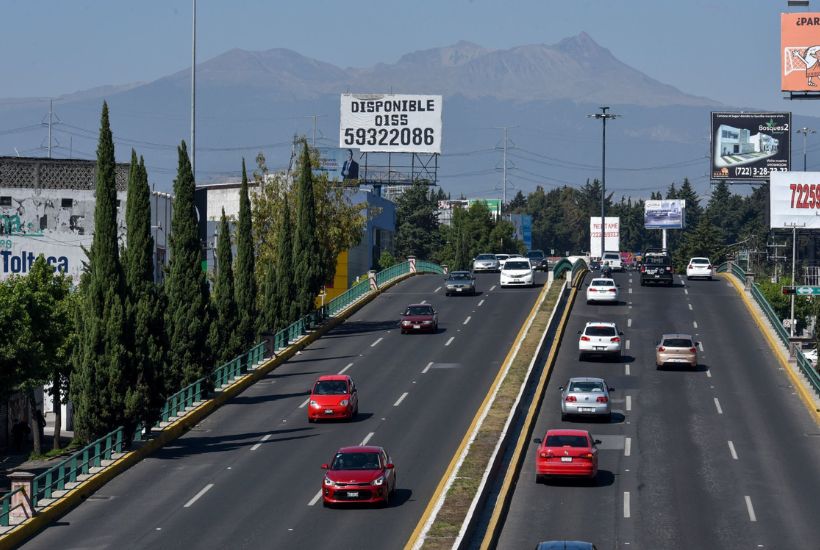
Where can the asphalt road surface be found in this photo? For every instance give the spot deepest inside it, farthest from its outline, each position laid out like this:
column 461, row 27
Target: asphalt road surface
column 249, row 475
column 725, row 456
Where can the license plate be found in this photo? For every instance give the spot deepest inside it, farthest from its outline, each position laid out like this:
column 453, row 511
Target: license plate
column 353, row 494
column 566, row 459
column 416, row 326
column 586, row 410
column 600, row 348
column 328, row 411
column 657, row 276
column 459, row 289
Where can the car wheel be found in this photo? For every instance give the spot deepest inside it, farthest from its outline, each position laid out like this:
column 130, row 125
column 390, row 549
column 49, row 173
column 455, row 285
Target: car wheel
column 582, row 356
column 326, row 504
column 618, row 357
column 539, row 479
column 608, row 418
column 659, row 367
column 564, row 417
column 709, row 278
column 355, row 412
column 688, row 278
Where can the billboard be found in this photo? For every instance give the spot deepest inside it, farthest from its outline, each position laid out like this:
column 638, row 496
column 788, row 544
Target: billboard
column 612, row 235
column 748, row 146
column 391, row 123
column 664, row 214
column 794, row 200
column 338, row 164
column 799, row 52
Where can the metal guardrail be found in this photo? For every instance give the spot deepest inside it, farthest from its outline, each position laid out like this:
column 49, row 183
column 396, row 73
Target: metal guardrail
column 579, row 270
column 736, row 270
column 6, row 507
column 562, row 266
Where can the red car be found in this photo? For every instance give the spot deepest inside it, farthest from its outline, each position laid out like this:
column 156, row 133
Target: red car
column 333, row 396
column 566, row 453
column 359, row 474
column 419, row 318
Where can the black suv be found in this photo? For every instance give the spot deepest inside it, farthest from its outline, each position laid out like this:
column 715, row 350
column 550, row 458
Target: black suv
column 656, row 267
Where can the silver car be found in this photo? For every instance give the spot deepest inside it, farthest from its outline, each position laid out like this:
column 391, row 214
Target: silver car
column 486, row 262
column 459, row 282
column 585, row 396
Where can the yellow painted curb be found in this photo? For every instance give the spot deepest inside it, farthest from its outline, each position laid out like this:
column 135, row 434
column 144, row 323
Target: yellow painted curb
column 762, row 326
column 75, row 496
column 517, row 459
column 428, row 511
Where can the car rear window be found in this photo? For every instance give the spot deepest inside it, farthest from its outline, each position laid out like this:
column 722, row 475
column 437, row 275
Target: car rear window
column 330, row 387
column 600, row 331
column 677, row 343
column 535, row 254
column 656, row 260
column 612, row 256
column 516, row 265
column 603, row 282
column 355, row 461
column 700, row 261
column 586, row 387
column 567, row 441
column 419, row 310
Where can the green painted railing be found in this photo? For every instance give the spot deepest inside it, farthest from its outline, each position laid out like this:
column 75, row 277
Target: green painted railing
column 579, row 270
column 737, row 271
column 6, row 508
column 392, row 272
column 562, row 266
column 423, row 266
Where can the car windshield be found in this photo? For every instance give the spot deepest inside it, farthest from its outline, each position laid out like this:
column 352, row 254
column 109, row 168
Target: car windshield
column 502, row 256
column 700, row 260
column 535, row 254
column 355, row 461
column 485, row 257
column 656, row 260
column 586, row 386
column 459, row 277
column 516, row 265
column 419, row 310
column 677, row 343
column 567, row 441
column 601, row 331
column 612, row 256
column 603, row 282
column 330, row 387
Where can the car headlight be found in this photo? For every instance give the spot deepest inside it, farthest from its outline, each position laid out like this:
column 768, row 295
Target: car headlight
column 405, row 323
column 343, row 403
column 427, row 322
column 378, row 481
column 314, row 403
column 328, row 482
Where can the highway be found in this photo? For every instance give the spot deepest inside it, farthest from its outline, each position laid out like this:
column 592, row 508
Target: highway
column 723, row 457
column 249, row 475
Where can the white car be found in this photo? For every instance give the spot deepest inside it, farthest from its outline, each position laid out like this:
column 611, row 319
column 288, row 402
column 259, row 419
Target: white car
column 699, row 267
column 501, row 259
column 602, row 290
column 613, row 259
column 600, row 338
column 516, row 272
column 486, row 262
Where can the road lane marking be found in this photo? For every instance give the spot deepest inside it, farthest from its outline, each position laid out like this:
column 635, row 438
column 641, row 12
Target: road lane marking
column 629, row 323
column 627, row 344
column 709, row 373
column 366, row 439
column 436, row 290
column 492, row 288
column 450, row 340
column 700, row 345
column 400, row 399
column 630, row 290
column 373, row 345
column 627, row 511
column 690, row 307
column 750, row 508
column 199, row 494
column 267, row 436
column 627, row 446
column 346, row 367
column 315, row 498
column 430, row 364
column 303, row 405
column 467, row 320
column 423, row 301
column 686, row 291
column 626, row 369
column 732, row 450
column 629, row 402
column 481, row 302
column 695, row 324
column 717, row 404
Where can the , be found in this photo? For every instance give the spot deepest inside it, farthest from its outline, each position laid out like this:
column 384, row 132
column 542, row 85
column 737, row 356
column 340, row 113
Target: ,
column 566, row 453
column 516, row 272
column 678, row 349
column 586, row 396
column 486, row 262
column 419, row 318
column 362, row 474
column 333, row 396
column 602, row 289
column 600, row 338
column 459, row 282
column 699, row 267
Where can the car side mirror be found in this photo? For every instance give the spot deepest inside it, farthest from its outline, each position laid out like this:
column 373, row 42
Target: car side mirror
column 325, row 466
column 560, row 388
column 621, row 333
column 597, row 442
column 579, row 332
column 610, row 389
column 389, row 466
column 537, row 440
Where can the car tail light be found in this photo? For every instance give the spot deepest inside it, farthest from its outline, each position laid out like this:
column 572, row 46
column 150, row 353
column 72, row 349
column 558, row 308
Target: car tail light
column 668, row 268
column 585, row 338
column 571, row 399
column 602, row 399
column 693, row 350
column 613, row 290
column 615, row 339
column 585, row 455
column 689, row 266
column 643, row 269
column 709, row 266
column 593, row 289
column 661, row 348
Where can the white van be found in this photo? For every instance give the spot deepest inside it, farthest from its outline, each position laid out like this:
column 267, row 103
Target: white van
column 614, row 260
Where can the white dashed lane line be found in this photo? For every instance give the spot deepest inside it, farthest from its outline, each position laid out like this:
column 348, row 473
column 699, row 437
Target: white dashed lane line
column 695, row 324
column 346, row 367
column 430, row 364
column 709, row 373
column 686, row 291
column 626, row 369
column 492, row 288
column 629, row 402
column 306, row 401
column 265, row 438
column 436, row 290
column 732, row 450
column 629, row 323
column 750, row 508
column 373, row 345
column 400, row 399
column 630, row 290
column 627, row 511
column 627, row 446
column 717, row 406
column 627, row 344
column 700, row 345
column 450, row 341
column 198, row 495
column 315, row 498
column 366, row 439
column 480, row 303
column 690, row 307
column 423, row 302
column 467, row 320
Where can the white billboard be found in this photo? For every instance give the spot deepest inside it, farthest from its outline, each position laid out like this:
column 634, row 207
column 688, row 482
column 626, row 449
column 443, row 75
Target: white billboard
column 612, row 235
column 664, row 214
column 794, row 200
column 391, row 123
